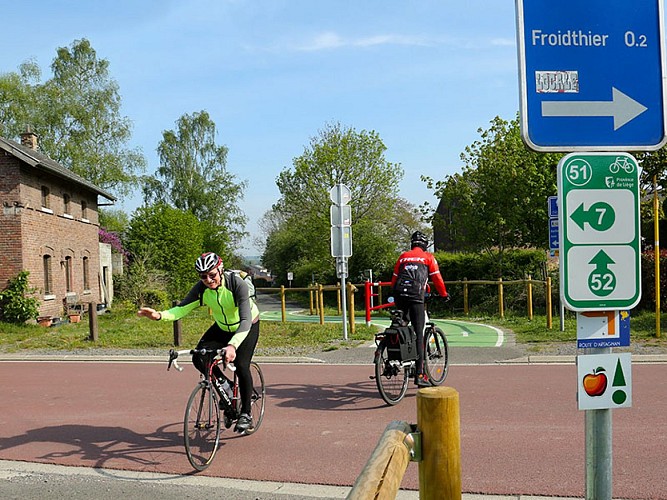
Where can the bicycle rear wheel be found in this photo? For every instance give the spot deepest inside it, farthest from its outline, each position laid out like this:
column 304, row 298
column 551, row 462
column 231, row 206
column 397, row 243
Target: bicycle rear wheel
column 391, row 377
column 258, row 397
column 201, row 426
column 436, row 361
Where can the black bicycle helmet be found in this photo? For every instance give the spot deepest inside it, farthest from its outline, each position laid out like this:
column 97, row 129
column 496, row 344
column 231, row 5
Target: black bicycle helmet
column 207, row 261
column 419, row 239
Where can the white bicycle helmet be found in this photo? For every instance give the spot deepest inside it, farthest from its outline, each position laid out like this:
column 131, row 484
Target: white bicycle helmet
column 207, row 261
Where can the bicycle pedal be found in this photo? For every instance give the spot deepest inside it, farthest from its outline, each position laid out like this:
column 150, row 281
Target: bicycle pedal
column 372, row 377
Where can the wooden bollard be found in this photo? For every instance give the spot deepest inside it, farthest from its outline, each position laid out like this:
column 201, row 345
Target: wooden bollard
column 92, row 321
column 382, row 475
column 438, row 421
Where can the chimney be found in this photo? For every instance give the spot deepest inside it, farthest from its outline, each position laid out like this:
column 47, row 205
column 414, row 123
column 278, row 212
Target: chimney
column 29, row 138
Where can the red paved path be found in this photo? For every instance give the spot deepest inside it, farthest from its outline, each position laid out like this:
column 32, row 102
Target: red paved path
column 520, row 429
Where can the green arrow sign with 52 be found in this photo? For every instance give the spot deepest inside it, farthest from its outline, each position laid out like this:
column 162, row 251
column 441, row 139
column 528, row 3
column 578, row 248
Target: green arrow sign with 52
column 599, row 226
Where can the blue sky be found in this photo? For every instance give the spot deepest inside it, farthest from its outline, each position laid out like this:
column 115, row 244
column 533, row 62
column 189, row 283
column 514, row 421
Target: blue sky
column 425, row 75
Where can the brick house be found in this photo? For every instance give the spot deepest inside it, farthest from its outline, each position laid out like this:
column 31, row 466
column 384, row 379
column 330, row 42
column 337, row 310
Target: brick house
column 49, row 227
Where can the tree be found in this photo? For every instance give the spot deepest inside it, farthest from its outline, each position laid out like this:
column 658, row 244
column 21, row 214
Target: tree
column 169, row 240
column 192, row 176
column 499, row 201
column 299, row 225
column 76, row 115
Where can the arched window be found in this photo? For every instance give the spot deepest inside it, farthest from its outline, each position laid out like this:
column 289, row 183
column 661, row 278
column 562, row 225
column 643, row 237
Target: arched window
column 48, row 276
column 68, row 273
column 86, row 279
column 67, row 203
column 45, row 197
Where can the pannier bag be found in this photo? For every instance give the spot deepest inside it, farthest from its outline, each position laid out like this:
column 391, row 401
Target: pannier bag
column 401, row 343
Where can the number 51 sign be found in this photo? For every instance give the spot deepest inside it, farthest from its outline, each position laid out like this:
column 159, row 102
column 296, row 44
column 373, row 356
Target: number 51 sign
column 599, row 221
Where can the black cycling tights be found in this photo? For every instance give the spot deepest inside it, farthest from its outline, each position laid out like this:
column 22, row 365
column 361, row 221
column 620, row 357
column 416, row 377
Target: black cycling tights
column 215, row 338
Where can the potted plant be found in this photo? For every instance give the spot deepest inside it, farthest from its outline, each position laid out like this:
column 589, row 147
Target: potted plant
column 44, row 320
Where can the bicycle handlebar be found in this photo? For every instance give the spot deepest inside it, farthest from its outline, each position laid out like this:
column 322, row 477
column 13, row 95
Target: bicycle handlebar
column 219, row 354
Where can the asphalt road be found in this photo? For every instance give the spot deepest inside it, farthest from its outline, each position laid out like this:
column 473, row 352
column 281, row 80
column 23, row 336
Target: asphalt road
column 521, row 432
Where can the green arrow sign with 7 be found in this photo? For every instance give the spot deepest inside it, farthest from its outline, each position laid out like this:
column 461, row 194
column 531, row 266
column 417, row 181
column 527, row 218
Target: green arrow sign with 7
column 598, row 196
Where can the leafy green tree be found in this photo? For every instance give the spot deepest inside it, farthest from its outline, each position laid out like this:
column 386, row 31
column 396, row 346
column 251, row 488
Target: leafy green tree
column 114, row 220
column 499, row 201
column 298, row 226
column 76, row 115
column 192, row 176
column 169, row 240
column 16, row 303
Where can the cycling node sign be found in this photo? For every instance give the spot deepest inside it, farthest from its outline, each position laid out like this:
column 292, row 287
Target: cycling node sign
column 599, row 221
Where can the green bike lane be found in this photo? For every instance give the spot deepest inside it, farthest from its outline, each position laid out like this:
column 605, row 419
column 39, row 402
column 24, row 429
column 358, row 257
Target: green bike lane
column 459, row 333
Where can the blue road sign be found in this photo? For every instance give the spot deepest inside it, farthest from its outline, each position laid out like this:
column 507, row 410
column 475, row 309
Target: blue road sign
column 591, row 74
column 552, row 203
column 554, row 244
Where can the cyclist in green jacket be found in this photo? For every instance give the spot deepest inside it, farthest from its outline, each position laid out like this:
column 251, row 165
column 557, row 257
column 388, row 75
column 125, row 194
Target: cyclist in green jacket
column 236, row 325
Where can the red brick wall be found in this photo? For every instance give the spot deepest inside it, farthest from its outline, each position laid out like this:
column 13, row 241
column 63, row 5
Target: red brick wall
column 32, row 232
column 10, row 222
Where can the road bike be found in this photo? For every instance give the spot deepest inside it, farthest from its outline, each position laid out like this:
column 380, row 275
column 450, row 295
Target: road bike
column 393, row 373
column 210, row 397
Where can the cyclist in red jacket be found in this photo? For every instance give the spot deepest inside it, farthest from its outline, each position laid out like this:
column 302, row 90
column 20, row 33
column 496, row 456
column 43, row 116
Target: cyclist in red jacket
column 409, row 282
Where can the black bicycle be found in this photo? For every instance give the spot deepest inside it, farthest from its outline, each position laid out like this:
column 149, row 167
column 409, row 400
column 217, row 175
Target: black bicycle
column 201, row 425
column 396, row 361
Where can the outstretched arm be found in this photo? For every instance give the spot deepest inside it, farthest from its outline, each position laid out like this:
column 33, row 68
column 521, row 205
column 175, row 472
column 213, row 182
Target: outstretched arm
column 147, row 312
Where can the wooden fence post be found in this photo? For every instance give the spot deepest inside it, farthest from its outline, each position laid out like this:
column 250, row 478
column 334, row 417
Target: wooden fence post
column 92, row 322
column 282, row 303
column 178, row 329
column 549, row 313
column 439, row 422
column 320, row 294
column 338, row 299
column 310, row 293
column 465, row 296
column 501, row 305
column 529, row 291
column 351, row 289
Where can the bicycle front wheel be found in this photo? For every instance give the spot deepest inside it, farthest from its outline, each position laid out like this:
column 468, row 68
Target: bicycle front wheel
column 391, row 377
column 436, row 360
column 201, row 426
column 258, row 400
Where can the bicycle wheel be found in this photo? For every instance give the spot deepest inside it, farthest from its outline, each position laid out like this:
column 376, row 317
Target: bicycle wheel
column 391, row 377
column 201, row 426
column 436, row 361
column 258, row 397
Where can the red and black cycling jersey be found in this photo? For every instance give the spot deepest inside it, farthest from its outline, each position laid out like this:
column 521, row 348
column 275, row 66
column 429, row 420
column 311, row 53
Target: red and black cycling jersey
column 412, row 272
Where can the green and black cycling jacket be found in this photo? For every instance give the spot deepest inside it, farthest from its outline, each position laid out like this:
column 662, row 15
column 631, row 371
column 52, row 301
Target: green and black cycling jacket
column 229, row 304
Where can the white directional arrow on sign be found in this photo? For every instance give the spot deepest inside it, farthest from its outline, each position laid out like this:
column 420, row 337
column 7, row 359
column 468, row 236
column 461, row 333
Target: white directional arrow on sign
column 621, row 107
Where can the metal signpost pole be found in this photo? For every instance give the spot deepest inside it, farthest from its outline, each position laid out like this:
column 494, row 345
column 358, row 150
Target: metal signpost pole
column 598, row 430
column 579, row 91
column 341, row 239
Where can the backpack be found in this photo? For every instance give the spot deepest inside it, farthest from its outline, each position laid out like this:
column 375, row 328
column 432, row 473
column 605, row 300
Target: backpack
column 410, row 282
column 230, row 283
column 247, row 277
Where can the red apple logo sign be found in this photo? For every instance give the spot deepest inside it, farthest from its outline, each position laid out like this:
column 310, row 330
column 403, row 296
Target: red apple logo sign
column 595, row 383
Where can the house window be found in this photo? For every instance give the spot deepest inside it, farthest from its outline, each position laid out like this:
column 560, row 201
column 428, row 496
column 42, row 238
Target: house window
column 86, row 281
column 84, row 210
column 45, row 197
column 48, row 280
column 67, row 203
column 68, row 273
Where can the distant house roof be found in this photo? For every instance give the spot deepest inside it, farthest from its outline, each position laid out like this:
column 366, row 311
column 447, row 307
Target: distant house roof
column 42, row 162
